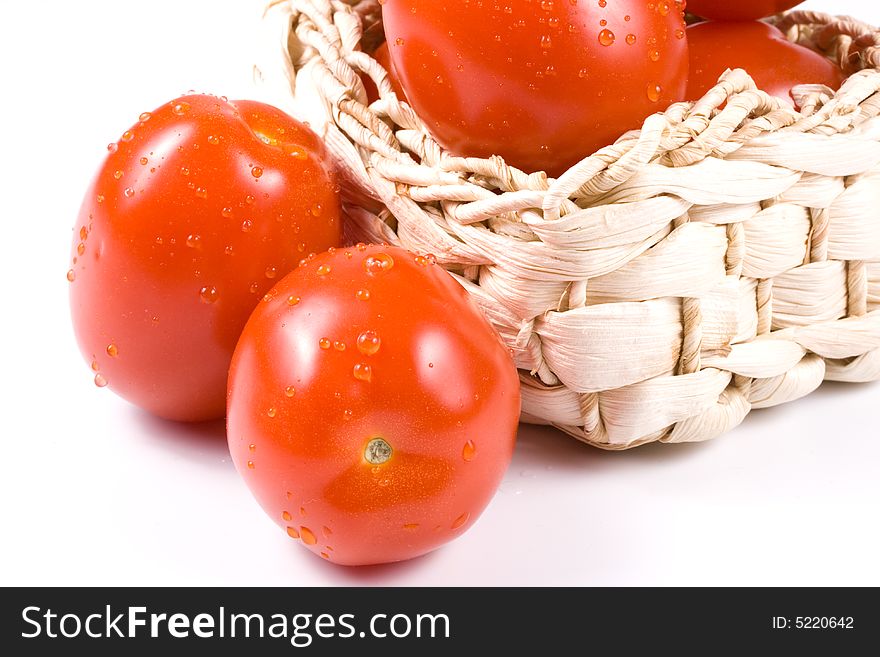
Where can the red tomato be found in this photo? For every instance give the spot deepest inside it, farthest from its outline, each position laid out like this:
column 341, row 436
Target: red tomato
column 739, row 10
column 196, row 212
column 372, row 409
column 541, row 83
column 381, row 56
column 774, row 63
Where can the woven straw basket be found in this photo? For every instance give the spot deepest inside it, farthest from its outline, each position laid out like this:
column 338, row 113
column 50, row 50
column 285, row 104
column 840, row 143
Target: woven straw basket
column 713, row 262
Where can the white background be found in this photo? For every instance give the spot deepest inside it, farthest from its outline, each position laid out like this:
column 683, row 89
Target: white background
column 93, row 491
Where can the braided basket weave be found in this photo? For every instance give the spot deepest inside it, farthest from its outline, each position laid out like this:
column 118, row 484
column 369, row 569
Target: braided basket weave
column 713, row 262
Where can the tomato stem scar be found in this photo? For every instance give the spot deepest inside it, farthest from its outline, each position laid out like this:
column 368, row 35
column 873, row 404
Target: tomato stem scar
column 378, row 451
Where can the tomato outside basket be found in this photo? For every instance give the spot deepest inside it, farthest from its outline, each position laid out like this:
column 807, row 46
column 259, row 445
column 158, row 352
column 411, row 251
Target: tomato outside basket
column 715, row 261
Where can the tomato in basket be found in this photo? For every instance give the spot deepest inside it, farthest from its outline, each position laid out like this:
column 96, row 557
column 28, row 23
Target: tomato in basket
column 541, row 83
column 197, row 210
column 372, row 408
column 739, row 10
column 774, row 63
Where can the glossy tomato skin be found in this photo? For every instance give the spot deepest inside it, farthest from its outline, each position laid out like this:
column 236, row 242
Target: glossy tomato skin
column 739, row 10
column 357, row 345
column 191, row 218
column 543, row 84
column 774, row 63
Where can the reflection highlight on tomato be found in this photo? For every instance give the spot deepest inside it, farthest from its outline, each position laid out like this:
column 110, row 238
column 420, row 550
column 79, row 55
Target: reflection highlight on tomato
column 196, row 212
column 541, row 83
column 372, row 409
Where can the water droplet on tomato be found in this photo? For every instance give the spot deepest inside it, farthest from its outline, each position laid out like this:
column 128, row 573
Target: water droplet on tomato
column 112, row 147
column 99, row 198
column 252, row 448
column 602, row 3
column 271, row 412
column 458, row 522
column 226, row 212
column 469, row 451
column 208, row 294
column 180, row 108
column 80, row 248
column 347, row 414
column 271, row 272
column 547, row 5
column 256, row 172
column 546, row 42
column 290, row 391
column 201, row 192
column 663, row 8
column 144, row 161
column 368, row 342
column 246, row 225
column 71, row 275
column 603, row 22
column 338, row 345
column 213, row 140
column 145, row 116
column 317, row 209
column 653, row 91
column 251, row 465
column 292, row 532
column 362, row 295
column 292, row 300
column 323, row 270
column 194, row 241
column 378, row 263
column 129, row 192
column 630, row 39
column 286, row 517
column 112, row 350
column 363, row 372
column 679, row 34
column 606, row 37
column 228, row 250
column 627, row 18
column 128, row 135
column 399, row 41
column 100, row 381
column 411, row 526
column 118, row 174
column 307, row 536
column 654, row 55
column 325, row 343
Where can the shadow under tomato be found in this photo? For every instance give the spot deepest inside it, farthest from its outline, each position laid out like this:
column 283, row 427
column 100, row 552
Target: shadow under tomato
column 203, row 442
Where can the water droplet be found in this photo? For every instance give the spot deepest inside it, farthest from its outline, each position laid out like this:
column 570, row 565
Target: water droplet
column 323, row 270
column 458, row 522
column 347, row 414
column 252, row 448
column 411, row 526
column 112, row 147
column 378, row 263
column 128, row 135
column 180, row 108
column 129, row 192
column 94, row 365
column 226, row 212
column 80, row 248
column 602, row 3
column 290, row 391
column 271, row 272
column 307, row 536
column 469, row 451
column 362, row 295
column 194, row 241
column 256, row 172
column 112, row 350
column 292, row 532
column 368, row 342
column 285, row 516
column 363, row 372
column 250, row 465
column 547, row 5
column 71, row 275
column 144, row 161
column 627, row 18
column 271, row 412
column 663, row 8
column 606, row 37
column 546, row 42
column 603, row 22
column 654, row 55
column 292, row 300
column 208, row 294
column 145, row 116
column 325, row 555
column 679, row 34
column 653, row 91
column 246, row 225
column 630, row 39
column 213, row 140
column 399, row 41
column 338, row 345
column 249, row 199
column 118, row 174
column 317, row 209
column 325, row 343
column 83, row 233
column 99, row 198
column 228, row 250
column 100, row 381
column 430, row 364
